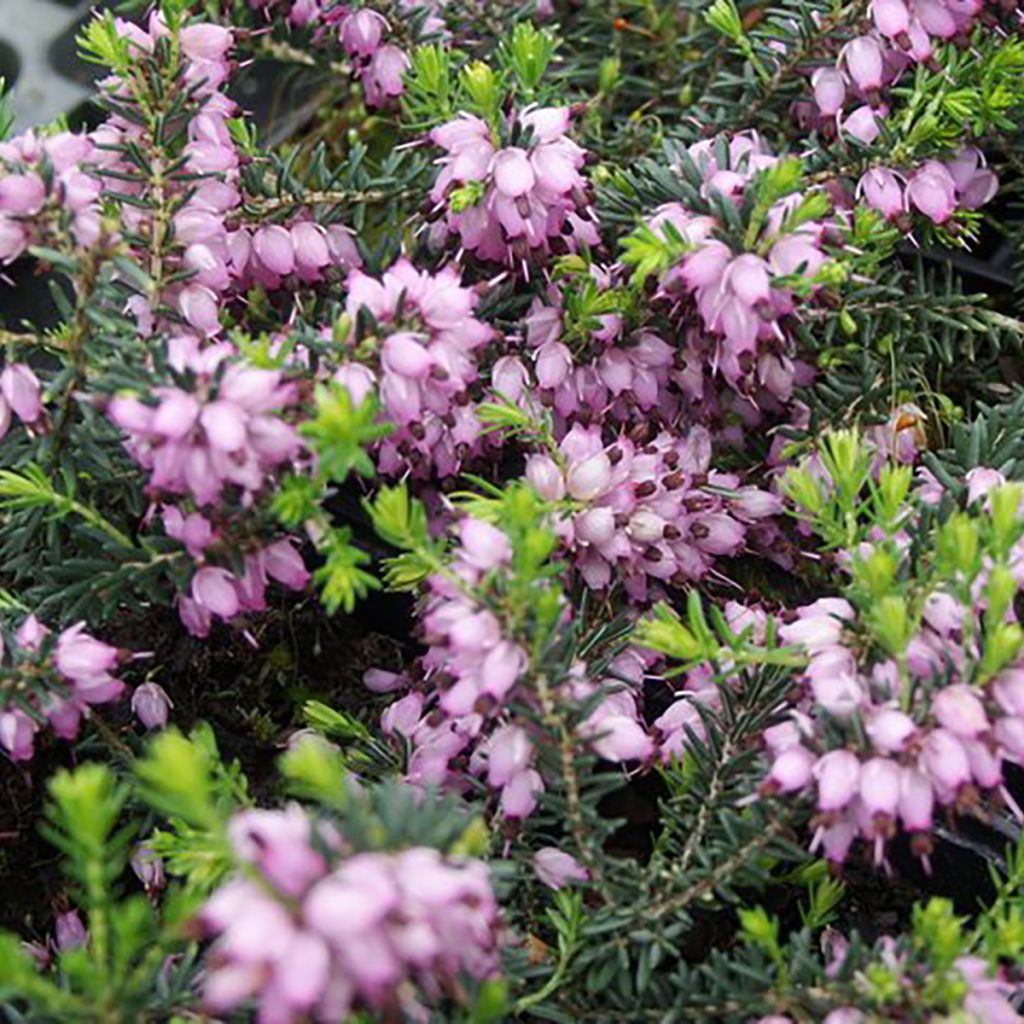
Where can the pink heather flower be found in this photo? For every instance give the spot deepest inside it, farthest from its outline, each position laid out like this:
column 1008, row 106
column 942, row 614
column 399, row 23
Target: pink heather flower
column 17, row 735
column 379, row 681
column 819, row 626
column 838, row 776
column 193, row 530
column 945, row 761
column 558, row 869
column 958, row 709
column 943, row 613
column 932, row 191
column 509, row 754
column 1008, row 691
column 483, row 546
column 199, row 306
column 151, row 705
column 64, row 716
column 791, row 770
column 618, row 738
column 545, row 477
column 273, row 247
column 519, row 795
column 361, row 32
column 890, row 730
column 283, row 563
column 891, row 17
column 829, row 90
column 20, row 389
column 882, row 190
column 589, row 478
column 404, row 716
column 81, row 658
column 382, row 77
column 880, row 787
column 31, row 634
column 205, row 42
column 980, row 481
column 989, row 994
column 69, row 931
column 148, row 868
column 278, row 844
column 975, row 183
column 214, row 588
column 917, row 800
column 862, row 124
column 863, row 59
column 22, row 194
column 428, row 361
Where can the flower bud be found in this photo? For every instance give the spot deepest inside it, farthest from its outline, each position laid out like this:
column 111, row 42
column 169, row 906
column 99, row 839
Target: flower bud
column 151, row 705
column 829, row 90
column 148, row 868
column 557, row 869
column 69, row 931
column 545, row 477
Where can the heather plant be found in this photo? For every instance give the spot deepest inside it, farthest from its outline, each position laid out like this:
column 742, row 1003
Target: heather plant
column 530, row 528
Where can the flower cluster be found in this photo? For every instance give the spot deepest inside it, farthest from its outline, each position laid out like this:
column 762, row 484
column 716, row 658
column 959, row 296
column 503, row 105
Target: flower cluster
column 513, row 191
column 219, row 256
column 43, row 184
column 936, row 189
column 654, row 512
column 53, row 680
column 905, row 713
column 225, row 434
column 50, row 192
column 743, row 296
column 321, row 932
column 422, row 350
column 983, row 994
column 849, row 94
column 460, row 709
column 364, row 34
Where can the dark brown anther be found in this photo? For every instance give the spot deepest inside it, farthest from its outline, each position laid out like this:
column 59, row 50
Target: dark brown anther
column 652, row 554
column 484, row 704
column 615, row 454
column 671, row 532
column 921, row 844
column 646, row 489
column 417, row 430
column 673, row 481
